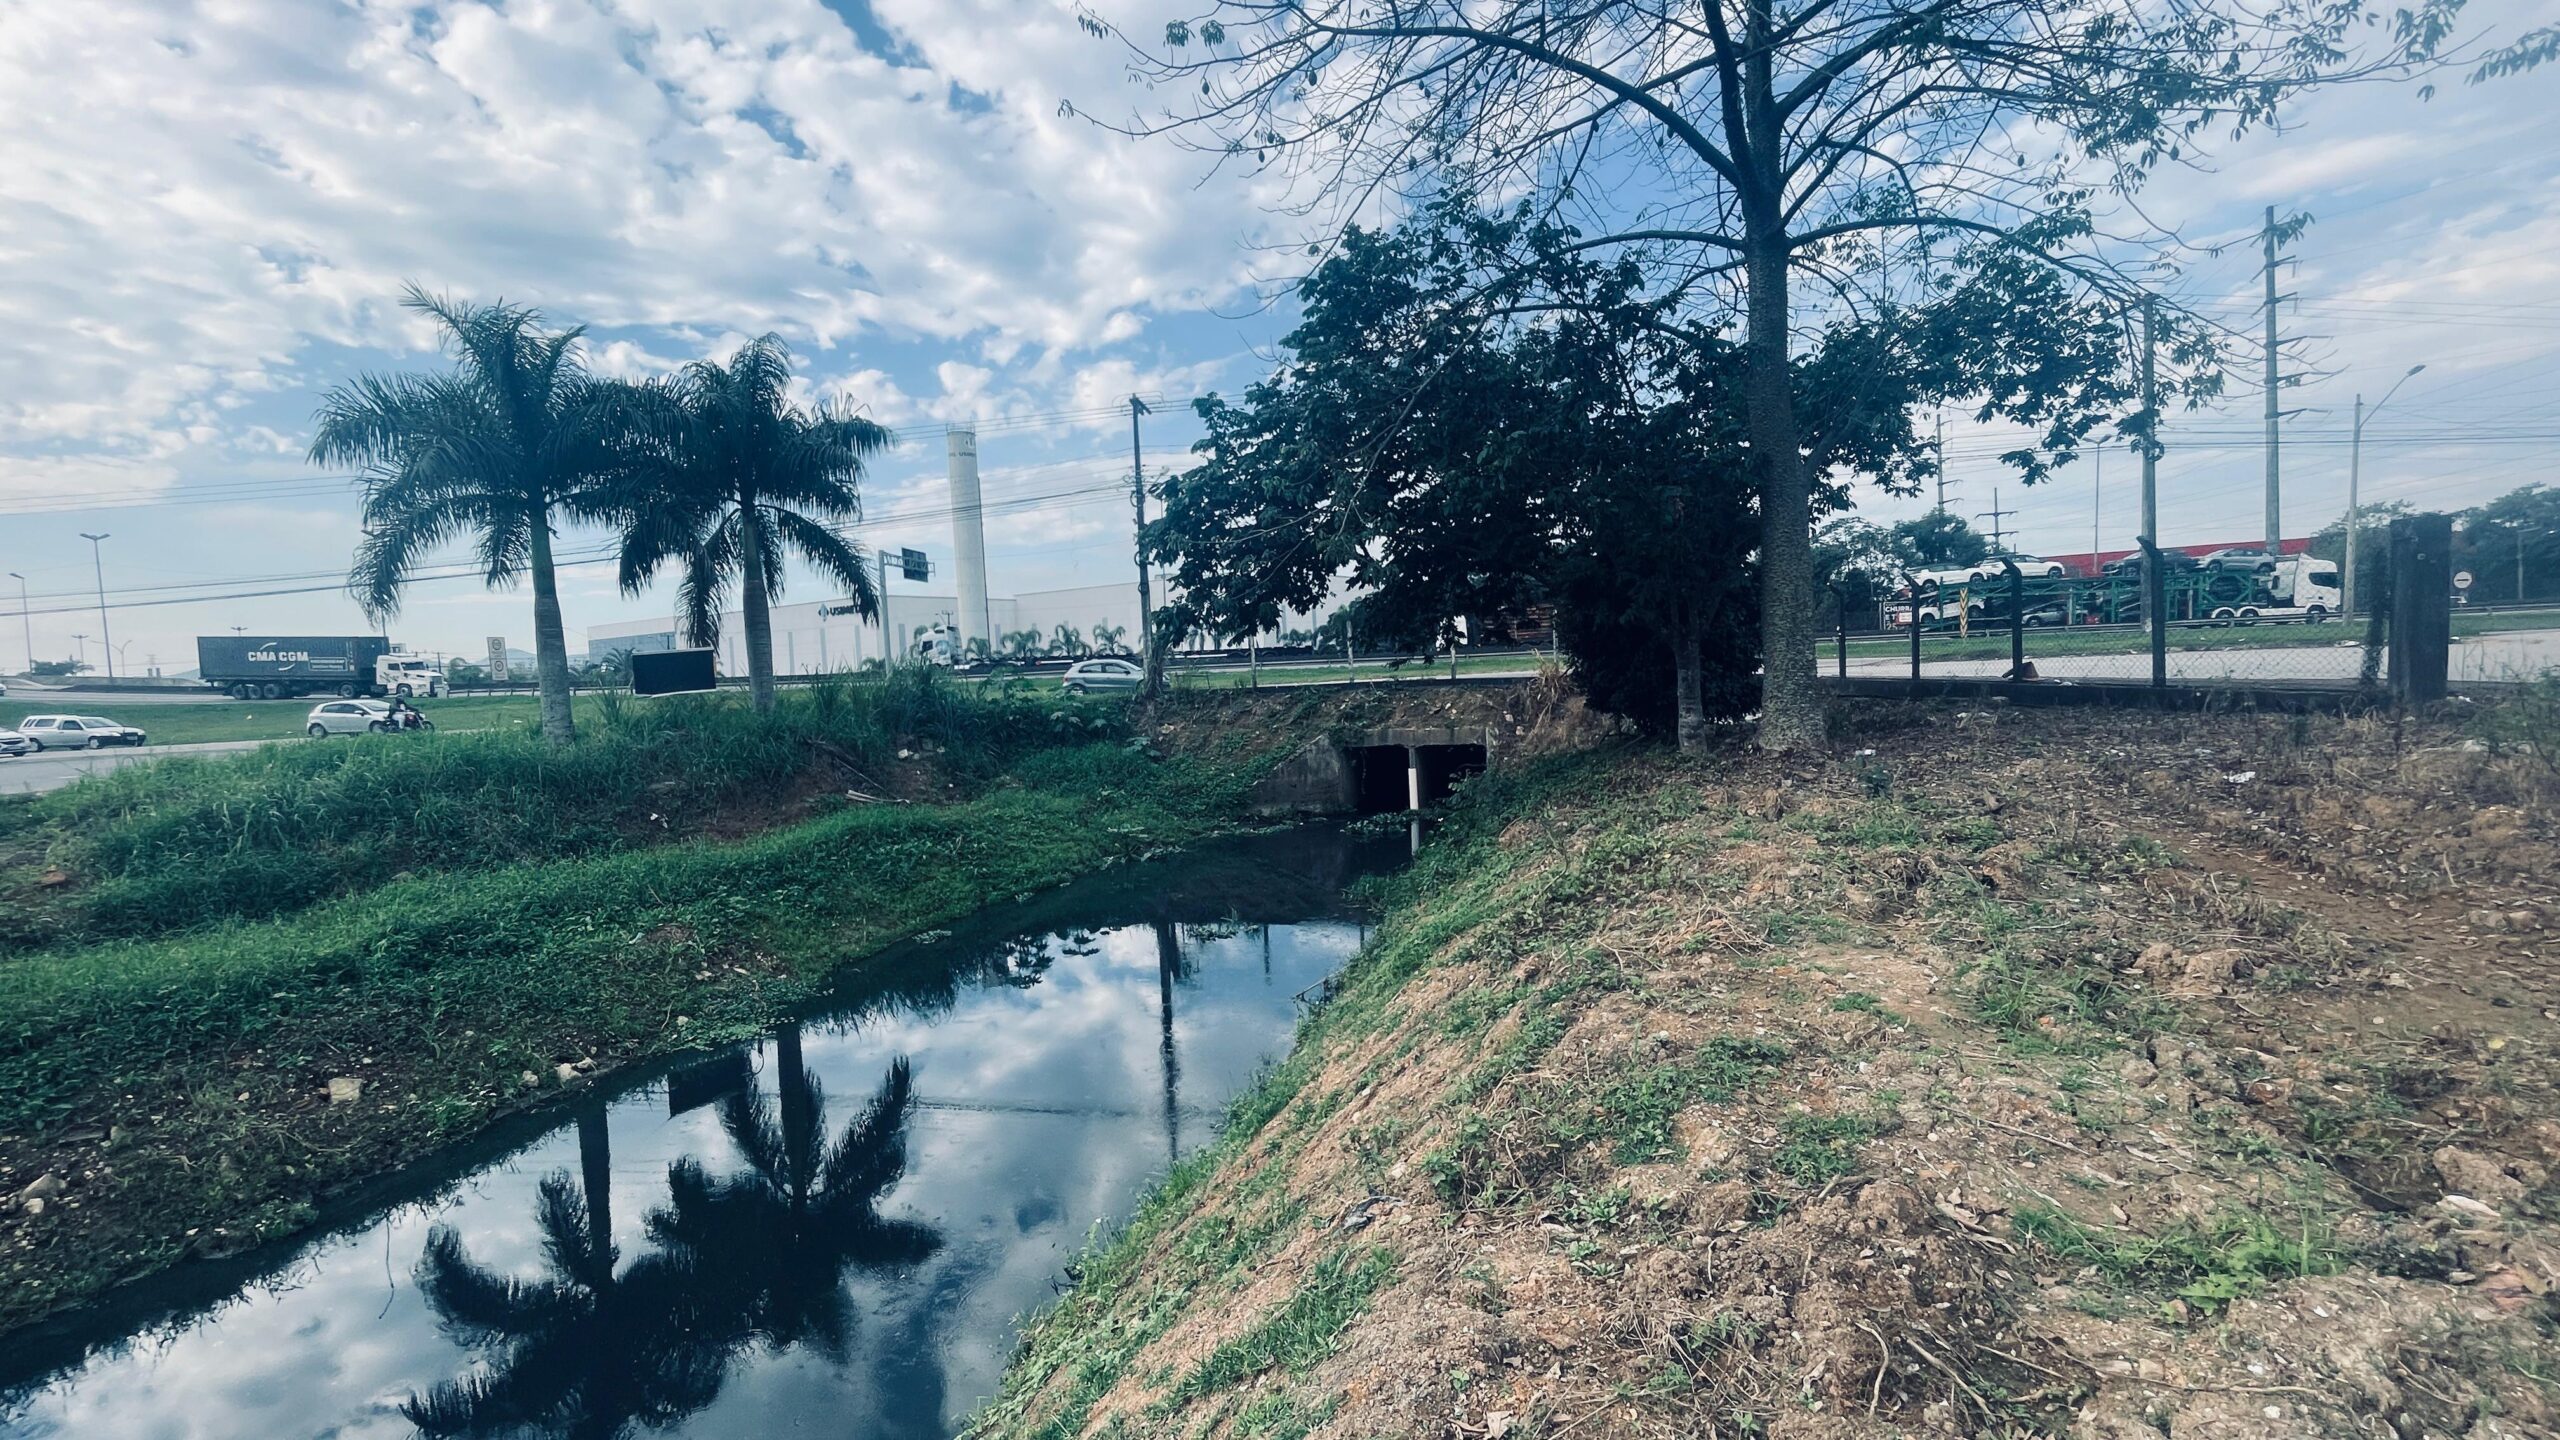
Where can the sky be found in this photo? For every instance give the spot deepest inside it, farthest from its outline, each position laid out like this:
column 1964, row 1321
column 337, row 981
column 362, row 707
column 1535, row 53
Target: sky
column 211, row 207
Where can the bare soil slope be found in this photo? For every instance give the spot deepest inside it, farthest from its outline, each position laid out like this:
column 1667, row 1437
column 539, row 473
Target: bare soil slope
column 2005, row 1073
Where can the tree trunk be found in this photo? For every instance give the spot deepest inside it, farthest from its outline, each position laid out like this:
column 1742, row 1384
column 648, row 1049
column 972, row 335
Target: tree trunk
column 550, row 641
column 759, row 614
column 1687, row 666
column 595, row 1170
column 1790, row 699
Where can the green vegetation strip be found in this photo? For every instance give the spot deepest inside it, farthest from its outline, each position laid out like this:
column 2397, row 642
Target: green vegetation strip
column 204, row 1057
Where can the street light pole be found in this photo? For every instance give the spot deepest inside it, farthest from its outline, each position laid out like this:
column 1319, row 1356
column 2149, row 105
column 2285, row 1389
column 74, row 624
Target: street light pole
column 106, row 637
column 26, row 620
column 2355, row 475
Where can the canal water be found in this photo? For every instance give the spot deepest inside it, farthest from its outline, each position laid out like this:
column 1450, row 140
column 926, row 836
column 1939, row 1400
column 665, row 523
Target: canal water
column 835, row 1231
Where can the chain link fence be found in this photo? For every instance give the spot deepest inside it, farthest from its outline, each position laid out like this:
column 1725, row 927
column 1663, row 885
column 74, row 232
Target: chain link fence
column 2167, row 619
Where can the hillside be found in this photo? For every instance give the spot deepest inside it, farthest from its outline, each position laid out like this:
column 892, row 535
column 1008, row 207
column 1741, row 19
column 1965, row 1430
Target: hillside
column 2031, row 1073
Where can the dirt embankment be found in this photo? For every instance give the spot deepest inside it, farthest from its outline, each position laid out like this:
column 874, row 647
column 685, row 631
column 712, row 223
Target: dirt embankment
column 2053, row 1073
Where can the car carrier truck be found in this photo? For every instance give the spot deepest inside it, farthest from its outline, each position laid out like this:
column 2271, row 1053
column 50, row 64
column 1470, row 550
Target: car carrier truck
column 248, row 667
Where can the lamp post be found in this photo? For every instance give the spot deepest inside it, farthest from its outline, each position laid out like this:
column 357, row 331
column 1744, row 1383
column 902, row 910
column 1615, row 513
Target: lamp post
column 106, row 637
column 2355, row 469
column 26, row 620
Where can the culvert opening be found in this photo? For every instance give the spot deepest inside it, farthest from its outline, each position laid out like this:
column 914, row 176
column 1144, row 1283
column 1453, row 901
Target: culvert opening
column 1445, row 767
column 1379, row 772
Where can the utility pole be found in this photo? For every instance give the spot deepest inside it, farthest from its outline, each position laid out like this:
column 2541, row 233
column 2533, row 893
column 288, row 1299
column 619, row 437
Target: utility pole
column 1993, row 515
column 2097, row 497
column 2275, row 521
column 2151, row 427
column 106, row 637
column 26, row 619
column 1149, row 661
column 1942, row 462
column 2355, row 476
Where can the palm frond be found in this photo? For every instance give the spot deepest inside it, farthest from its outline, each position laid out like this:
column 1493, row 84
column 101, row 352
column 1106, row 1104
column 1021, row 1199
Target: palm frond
column 831, row 555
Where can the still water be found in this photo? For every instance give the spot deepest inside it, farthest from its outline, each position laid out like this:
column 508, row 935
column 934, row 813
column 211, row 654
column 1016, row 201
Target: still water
column 834, row 1231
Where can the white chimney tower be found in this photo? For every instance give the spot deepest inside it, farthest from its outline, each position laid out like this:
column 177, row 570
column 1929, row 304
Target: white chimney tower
column 968, row 539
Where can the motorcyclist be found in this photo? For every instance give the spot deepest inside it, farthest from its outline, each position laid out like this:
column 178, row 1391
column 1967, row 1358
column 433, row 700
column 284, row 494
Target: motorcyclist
column 404, row 716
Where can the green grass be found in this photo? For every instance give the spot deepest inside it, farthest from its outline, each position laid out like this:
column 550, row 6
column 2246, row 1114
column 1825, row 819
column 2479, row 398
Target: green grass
column 159, row 848
column 1301, row 1332
column 441, row 990
column 2207, row 1263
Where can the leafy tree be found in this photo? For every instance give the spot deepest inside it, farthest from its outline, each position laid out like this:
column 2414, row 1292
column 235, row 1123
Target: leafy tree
column 1448, row 439
column 1939, row 540
column 1780, row 144
column 741, row 476
column 492, row 450
column 2511, row 545
column 464, row 672
column 51, row 669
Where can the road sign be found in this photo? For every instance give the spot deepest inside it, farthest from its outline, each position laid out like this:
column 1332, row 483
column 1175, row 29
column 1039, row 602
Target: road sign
column 2461, row 579
column 911, row 563
column 498, row 658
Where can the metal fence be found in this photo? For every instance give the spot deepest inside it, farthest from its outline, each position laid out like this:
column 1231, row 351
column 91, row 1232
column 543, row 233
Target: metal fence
column 2165, row 621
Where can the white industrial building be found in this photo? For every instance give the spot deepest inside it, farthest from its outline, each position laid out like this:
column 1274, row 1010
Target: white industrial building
column 808, row 640
column 823, row 636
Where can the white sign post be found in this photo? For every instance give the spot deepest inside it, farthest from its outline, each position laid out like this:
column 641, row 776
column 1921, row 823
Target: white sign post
column 498, row 658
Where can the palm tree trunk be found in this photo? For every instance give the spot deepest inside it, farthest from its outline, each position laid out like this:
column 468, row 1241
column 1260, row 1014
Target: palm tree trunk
column 1688, row 663
column 550, row 641
column 595, row 1172
column 759, row 615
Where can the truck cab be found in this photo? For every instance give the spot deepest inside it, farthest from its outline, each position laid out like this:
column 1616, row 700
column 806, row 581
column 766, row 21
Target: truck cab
column 409, row 675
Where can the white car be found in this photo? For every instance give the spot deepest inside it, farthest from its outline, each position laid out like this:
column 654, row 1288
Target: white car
column 347, row 717
column 2034, row 567
column 77, row 732
column 1106, row 674
column 13, row 744
column 1928, row 580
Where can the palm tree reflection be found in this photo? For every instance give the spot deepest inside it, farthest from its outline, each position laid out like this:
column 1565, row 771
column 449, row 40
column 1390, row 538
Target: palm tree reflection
column 781, row 1233
column 586, row 1349
column 590, row 1348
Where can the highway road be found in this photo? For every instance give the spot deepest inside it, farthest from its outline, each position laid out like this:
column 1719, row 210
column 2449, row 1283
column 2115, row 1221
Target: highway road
column 2505, row 655
column 53, row 769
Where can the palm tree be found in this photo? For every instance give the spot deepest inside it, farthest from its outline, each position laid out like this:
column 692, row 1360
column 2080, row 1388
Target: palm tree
column 1106, row 636
column 514, row 434
column 741, row 473
column 1066, row 640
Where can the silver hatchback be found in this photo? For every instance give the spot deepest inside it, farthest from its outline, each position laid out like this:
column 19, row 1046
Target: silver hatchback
column 1103, row 674
column 348, row 717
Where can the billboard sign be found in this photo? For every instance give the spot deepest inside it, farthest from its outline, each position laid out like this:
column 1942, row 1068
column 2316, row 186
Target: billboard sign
column 673, row 672
column 911, row 563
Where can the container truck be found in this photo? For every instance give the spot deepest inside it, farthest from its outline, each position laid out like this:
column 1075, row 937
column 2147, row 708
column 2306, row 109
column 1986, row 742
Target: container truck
column 347, row 666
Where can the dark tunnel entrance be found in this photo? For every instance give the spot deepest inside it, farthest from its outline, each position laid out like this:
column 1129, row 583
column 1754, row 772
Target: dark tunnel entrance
column 1445, row 767
column 1378, row 772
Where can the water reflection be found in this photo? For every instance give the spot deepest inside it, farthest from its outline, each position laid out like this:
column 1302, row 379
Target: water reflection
column 735, row 1247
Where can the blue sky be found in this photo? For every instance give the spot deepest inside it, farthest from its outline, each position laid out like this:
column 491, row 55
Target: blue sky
column 211, row 204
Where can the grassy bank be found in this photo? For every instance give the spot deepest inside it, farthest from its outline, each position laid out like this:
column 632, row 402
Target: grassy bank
column 147, row 850
column 2013, row 1078
column 182, row 1084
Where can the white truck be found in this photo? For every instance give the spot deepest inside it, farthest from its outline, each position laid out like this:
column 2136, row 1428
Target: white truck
column 2298, row 588
column 256, row 667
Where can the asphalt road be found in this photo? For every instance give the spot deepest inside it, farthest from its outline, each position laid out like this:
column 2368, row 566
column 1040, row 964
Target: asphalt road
column 53, row 769
column 2501, row 655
